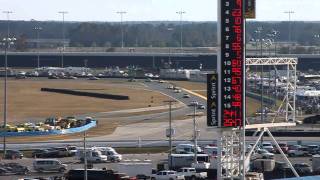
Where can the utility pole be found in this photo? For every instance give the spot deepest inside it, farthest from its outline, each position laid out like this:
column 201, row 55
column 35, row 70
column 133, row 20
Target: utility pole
column 121, row 24
column 289, row 29
column 181, row 13
column 170, row 128
column 195, row 131
column 63, row 37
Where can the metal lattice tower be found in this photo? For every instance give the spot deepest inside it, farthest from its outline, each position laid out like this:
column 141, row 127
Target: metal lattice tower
column 232, row 159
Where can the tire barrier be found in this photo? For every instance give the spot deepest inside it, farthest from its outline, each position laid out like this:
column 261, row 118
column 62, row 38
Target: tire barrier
column 83, row 128
column 88, row 94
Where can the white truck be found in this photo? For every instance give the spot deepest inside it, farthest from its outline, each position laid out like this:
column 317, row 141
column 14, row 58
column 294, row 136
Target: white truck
column 167, row 175
column 142, row 169
column 191, row 173
column 177, row 161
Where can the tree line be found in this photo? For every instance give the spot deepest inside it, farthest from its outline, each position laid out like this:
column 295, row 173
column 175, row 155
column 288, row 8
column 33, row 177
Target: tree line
column 155, row 34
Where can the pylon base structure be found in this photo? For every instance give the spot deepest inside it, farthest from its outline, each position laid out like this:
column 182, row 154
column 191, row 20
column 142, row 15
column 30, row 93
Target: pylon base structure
column 233, row 161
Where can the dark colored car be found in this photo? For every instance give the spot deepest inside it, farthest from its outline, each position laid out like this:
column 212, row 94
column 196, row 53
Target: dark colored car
column 45, row 153
column 13, row 154
column 61, row 151
column 13, row 168
column 284, row 147
column 302, row 169
column 312, row 119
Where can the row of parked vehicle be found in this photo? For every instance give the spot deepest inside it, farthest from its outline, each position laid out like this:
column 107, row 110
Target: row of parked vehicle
column 267, row 150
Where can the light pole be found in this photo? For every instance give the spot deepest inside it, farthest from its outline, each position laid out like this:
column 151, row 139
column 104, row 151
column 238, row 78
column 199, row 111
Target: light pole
column 38, row 29
column 63, row 36
column 289, row 29
column 6, row 42
column 195, row 130
column 181, row 13
column 317, row 36
column 170, row 129
column 121, row 24
column 85, row 155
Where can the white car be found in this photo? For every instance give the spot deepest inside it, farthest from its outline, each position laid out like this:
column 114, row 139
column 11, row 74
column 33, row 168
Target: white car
column 302, row 151
column 167, row 174
column 268, row 146
column 186, row 149
column 191, row 173
column 262, row 154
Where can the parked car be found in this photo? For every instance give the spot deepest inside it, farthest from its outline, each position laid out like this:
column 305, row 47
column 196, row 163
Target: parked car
column 302, row 151
column 186, row 149
column 313, row 149
column 262, row 154
column 13, row 168
column 284, row 147
column 42, row 165
column 302, row 168
column 294, row 147
column 45, row 153
column 268, row 146
column 112, row 154
column 13, row 154
column 72, row 150
column 191, row 173
column 61, row 151
column 92, row 155
column 212, row 151
column 167, row 174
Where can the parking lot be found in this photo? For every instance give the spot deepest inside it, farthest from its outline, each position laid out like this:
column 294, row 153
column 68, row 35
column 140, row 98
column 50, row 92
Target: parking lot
column 74, row 163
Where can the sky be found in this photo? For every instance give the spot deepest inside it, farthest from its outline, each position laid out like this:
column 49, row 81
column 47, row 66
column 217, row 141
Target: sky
column 150, row 10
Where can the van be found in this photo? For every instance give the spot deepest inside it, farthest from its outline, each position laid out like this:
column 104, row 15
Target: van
column 55, row 165
column 92, row 155
column 186, row 149
column 112, row 154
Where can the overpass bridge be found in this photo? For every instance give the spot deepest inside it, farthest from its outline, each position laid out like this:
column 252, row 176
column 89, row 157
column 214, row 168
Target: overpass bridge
column 188, row 58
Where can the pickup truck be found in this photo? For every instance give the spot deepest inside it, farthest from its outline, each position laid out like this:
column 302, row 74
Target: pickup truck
column 191, row 173
column 167, row 175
